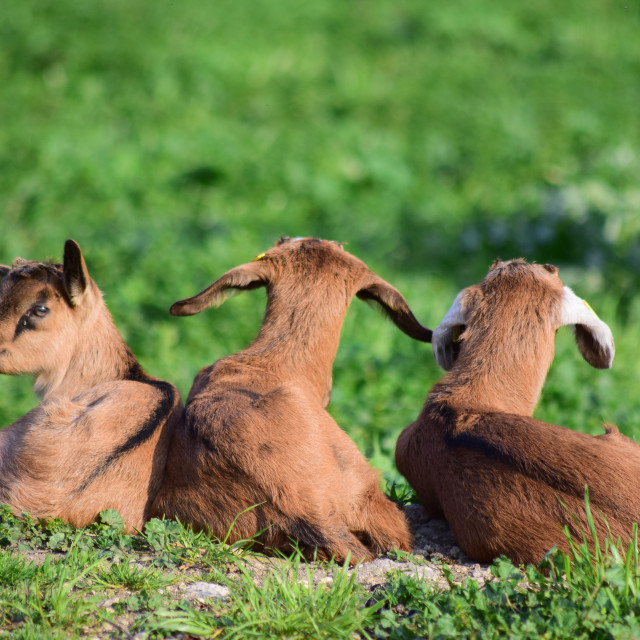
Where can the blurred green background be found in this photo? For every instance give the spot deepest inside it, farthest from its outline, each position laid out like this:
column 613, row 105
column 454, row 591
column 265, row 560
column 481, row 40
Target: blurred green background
column 174, row 140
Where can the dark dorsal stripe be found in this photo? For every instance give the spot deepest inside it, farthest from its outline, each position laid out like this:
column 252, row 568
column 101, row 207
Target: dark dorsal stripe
column 157, row 417
column 487, row 437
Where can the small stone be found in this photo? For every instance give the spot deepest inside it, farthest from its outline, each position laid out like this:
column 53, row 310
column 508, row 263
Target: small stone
column 201, row 590
column 109, row 602
column 327, row 580
column 426, row 573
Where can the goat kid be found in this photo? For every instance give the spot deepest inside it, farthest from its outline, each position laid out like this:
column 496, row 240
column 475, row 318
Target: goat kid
column 99, row 438
column 256, row 431
column 476, row 457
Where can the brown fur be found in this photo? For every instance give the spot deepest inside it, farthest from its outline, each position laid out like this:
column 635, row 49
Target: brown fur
column 99, row 438
column 476, row 457
column 256, row 432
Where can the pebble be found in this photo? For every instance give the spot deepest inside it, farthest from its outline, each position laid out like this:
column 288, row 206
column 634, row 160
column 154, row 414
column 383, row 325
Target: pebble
column 201, row 590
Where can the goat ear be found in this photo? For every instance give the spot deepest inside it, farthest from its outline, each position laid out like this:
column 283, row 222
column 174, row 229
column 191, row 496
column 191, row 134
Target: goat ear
column 75, row 275
column 396, row 307
column 593, row 336
column 243, row 278
column 4, row 269
column 446, row 334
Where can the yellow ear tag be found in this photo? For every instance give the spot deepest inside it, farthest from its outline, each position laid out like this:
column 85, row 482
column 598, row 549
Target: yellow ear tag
column 259, row 257
column 455, row 334
column 586, row 304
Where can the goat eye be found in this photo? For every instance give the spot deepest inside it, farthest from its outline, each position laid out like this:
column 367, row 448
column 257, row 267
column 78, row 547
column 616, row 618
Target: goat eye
column 39, row 311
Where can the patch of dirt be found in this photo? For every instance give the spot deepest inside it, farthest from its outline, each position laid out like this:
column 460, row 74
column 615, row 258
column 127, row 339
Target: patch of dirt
column 433, row 546
column 433, row 541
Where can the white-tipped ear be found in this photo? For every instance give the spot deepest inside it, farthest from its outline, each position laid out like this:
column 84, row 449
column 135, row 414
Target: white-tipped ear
column 593, row 336
column 446, row 334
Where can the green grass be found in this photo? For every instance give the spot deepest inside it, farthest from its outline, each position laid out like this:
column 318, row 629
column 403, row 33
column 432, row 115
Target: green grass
column 591, row 592
column 59, row 594
column 284, row 606
column 176, row 140
column 127, row 574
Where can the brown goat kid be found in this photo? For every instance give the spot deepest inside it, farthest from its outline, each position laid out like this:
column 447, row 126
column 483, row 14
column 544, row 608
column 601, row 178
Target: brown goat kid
column 476, row 457
column 256, row 431
column 99, row 438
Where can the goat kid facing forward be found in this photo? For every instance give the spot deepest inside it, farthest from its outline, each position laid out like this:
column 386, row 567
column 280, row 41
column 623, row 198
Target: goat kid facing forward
column 256, row 431
column 476, row 457
column 99, row 438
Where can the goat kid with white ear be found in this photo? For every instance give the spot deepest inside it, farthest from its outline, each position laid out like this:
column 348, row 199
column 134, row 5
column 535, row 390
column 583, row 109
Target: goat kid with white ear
column 256, row 431
column 99, row 438
column 476, row 457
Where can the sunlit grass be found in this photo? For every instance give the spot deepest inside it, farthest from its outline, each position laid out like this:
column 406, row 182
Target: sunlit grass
column 289, row 603
column 590, row 592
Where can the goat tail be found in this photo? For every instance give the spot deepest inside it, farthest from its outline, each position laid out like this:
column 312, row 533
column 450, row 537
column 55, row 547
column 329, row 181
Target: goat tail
column 610, row 428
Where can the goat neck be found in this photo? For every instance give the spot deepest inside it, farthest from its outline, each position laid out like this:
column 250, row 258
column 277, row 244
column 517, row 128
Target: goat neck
column 507, row 343
column 299, row 335
column 502, row 380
